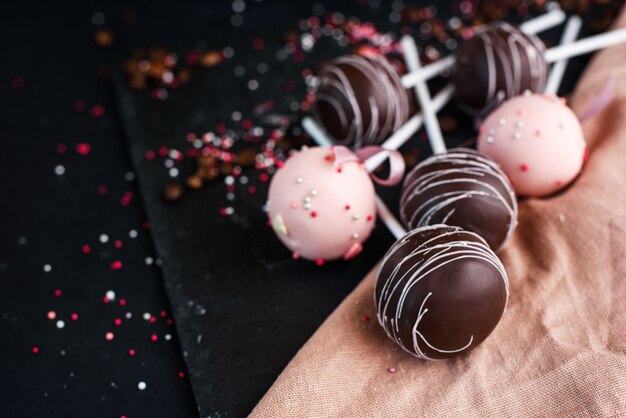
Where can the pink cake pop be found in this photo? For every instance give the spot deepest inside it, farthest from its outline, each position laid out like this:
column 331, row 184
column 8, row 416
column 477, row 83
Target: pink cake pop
column 322, row 210
column 538, row 142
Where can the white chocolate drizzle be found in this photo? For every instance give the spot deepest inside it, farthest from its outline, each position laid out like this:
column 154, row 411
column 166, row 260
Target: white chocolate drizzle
column 382, row 76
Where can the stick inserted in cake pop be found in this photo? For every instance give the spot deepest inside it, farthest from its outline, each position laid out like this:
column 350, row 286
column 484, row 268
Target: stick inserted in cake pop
column 411, row 58
column 570, row 33
column 390, row 221
column 539, row 24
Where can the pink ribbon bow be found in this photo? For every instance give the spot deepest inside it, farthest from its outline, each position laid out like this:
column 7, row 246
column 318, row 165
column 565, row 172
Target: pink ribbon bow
column 396, row 161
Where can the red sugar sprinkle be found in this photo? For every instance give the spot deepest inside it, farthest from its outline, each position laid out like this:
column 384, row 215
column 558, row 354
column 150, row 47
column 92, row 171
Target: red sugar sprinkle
column 169, row 321
column 258, row 43
column 131, row 352
column 154, row 338
column 79, row 105
column 313, row 214
column 366, row 318
column 586, row 154
column 369, row 218
column 524, row 167
column 17, row 82
column 83, row 148
column 181, row 374
column 58, row 293
column 347, row 207
column 150, row 155
column 392, row 370
column 35, row 350
column 280, row 164
column 51, row 315
column 106, row 300
column 116, row 265
column 163, row 314
column 319, row 261
column 295, row 256
column 102, row 190
column 152, row 319
column 117, row 322
column 96, row 111
column 264, row 177
column 251, row 189
column 86, row 249
column 118, row 243
column 61, row 148
column 122, row 302
column 109, row 336
column 339, row 170
column 163, row 151
column 74, row 317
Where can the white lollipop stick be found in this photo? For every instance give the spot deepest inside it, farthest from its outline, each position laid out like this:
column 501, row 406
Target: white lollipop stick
column 584, row 46
column 411, row 58
column 554, row 17
column 427, row 72
column 390, row 221
column 407, row 130
column 570, row 33
column 316, row 132
column 533, row 26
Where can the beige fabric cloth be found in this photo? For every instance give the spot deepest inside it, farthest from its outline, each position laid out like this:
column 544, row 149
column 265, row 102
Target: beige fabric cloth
column 560, row 349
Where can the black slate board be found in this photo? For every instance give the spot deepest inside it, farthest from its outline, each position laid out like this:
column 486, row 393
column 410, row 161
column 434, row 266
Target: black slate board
column 242, row 306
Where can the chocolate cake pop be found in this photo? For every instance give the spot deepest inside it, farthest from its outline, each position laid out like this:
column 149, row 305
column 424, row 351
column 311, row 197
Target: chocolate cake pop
column 322, row 210
column 537, row 140
column 498, row 63
column 360, row 100
column 440, row 292
column 461, row 188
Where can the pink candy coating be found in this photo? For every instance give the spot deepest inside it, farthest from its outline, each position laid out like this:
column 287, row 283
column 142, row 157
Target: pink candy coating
column 538, row 142
column 320, row 210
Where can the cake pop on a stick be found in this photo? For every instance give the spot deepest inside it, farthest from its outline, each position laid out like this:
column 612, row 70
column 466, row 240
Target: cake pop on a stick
column 458, row 187
column 440, row 291
column 360, row 100
column 319, row 208
column 500, row 62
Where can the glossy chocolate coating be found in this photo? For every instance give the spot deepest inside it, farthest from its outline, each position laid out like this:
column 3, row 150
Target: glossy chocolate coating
column 496, row 64
column 440, row 292
column 360, row 100
column 460, row 188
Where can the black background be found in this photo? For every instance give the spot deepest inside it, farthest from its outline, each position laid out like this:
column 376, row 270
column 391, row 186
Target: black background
column 48, row 63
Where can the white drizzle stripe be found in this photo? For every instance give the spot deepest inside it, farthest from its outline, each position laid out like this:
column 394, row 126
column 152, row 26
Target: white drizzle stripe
column 470, row 168
column 425, row 260
column 382, row 76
